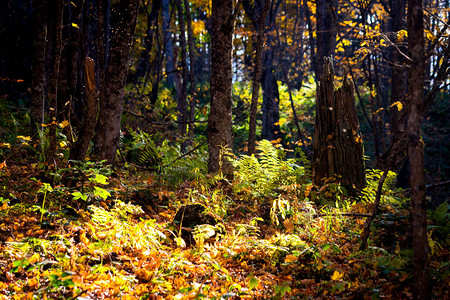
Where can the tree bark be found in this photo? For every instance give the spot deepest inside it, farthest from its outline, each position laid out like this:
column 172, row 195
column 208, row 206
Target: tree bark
column 168, row 45
column 326, row 32
column 397, row 117
column 220, row 120
column 111, row 107
column 39, row 64
column 338, row 147
column 56, row 36
column 182, row 113
column 191, row 72
column 259, row 28
column 270, row 106
column 79, row 151
column 416, row 51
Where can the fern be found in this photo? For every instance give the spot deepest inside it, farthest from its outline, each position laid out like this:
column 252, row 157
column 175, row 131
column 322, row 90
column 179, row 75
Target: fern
column 264, row 175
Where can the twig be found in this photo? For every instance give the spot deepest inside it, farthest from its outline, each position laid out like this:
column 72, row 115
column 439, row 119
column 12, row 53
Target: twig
column 354, row 215
column 366, row 231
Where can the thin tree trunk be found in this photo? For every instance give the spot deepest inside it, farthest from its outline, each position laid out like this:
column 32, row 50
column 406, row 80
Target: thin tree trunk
column 191, row 72
column 39, row 64
column 168, row 45
column 416, row 50
column 257, row 74
column 56, row 29
column 291, row 100
column 182, row 113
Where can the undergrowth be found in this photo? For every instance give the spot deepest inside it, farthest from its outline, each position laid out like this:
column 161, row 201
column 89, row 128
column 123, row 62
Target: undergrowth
column 88, row 235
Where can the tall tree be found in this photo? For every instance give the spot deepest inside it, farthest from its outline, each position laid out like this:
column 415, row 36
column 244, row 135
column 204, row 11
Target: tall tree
column 38, row 62
column 398, row 70
column 258, row 14
column 111, row 106
column 219, row 120
column 191, row 71
column 326, row 12
column 271, row 98
column 416, row 51
column 55, row 28
column 182, row 113
column 168, row 45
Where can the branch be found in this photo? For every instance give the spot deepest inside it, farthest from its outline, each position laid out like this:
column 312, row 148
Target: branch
column 366, row 231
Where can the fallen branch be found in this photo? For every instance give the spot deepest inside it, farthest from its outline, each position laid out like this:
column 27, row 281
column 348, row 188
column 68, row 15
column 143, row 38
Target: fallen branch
column 354, row 215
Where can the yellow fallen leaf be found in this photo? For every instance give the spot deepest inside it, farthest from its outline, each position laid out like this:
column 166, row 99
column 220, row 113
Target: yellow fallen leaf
column 290, row 258
column 337, row 276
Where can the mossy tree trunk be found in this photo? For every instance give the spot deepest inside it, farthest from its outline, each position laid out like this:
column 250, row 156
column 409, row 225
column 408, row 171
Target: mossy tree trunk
column 338, row 147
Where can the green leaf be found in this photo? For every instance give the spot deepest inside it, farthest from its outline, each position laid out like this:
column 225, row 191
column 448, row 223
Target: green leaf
column 99, row 178
column 253, row 282
column 100, row 192
column 78, row 195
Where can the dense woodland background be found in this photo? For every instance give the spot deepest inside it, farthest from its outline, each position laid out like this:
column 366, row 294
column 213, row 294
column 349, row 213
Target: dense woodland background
column 167, row 143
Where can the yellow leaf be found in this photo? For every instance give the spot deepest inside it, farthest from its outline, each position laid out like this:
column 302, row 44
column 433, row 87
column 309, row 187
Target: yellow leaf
column 398, row 104
column 75, row 25
column 25, row 138
column 337, row 276
column 64, row 124
column 290, row 258
column 402, row 34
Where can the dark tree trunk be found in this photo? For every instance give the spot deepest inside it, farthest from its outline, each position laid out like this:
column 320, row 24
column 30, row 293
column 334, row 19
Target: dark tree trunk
column 326, row 32
column 259, row 19
column 416, row 51
column 398, row 72
column 191, row 71
column 182, row 113
column 56, row 37
column 39, row 64
column 270, row 106
column 168, row 45
column 111, row 107
column 79, row 151
column 219, row 120
column 338, row 147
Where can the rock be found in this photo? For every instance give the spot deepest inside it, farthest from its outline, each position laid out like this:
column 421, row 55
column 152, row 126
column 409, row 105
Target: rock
column 190, row 216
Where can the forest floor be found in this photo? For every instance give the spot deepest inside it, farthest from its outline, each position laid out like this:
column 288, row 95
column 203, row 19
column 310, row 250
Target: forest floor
column 113, row 237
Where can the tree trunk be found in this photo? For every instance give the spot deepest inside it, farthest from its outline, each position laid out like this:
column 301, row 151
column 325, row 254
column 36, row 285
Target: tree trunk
column 182, row 113
column 79, row 151
column 191, row 72
column 260, row 22
column 56, row 36
column 220, row 120
column 270, row 106
column 168, row 45
column 338, row 147
column 416, row 51
column 326, row 32
column 398, row 73
column 111, row 107
column 39, row 64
